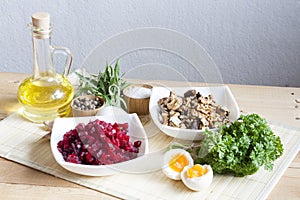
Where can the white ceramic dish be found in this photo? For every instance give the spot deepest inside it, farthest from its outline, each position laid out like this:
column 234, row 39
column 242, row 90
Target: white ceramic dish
column 135, row 130
column 221, row 94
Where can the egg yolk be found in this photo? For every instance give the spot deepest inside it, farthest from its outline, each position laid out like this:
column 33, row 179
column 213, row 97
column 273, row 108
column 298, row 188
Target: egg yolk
column 178, row 162
column 196, row 171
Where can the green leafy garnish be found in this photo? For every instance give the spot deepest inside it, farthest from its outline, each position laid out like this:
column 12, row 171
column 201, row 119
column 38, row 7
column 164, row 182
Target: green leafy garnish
column 240, row 148
column 107, row 84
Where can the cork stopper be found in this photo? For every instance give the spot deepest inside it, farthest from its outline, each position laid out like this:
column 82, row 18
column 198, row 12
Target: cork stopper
column 41, row 20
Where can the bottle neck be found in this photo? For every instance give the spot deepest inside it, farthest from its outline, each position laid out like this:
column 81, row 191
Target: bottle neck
column 42, row 53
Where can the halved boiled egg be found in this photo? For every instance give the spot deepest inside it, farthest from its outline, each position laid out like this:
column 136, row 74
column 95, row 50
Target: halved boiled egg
column 197, row 177
column 175, row 160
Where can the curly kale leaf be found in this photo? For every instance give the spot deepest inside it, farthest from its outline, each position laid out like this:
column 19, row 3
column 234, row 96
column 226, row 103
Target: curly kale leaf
column 243, row 147
column 240, row 149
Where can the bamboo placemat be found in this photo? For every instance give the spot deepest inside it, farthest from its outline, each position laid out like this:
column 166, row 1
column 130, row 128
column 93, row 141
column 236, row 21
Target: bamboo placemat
column 21, row 141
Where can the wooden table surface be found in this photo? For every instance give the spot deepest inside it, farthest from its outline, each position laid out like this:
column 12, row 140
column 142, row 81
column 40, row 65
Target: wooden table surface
column 280, row 104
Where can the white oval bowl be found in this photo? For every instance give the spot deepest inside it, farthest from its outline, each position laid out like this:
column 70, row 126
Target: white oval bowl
column 221, row 94
column 135, row 131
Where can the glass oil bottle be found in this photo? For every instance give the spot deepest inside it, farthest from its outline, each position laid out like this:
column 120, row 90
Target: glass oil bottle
column 46, row 94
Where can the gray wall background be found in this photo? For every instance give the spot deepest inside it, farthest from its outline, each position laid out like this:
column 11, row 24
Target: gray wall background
column 251, row 42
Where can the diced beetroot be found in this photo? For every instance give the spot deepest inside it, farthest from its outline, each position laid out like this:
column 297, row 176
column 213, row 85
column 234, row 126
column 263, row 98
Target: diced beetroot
column 98, row 143
column 123, row 126
column 137, row 143
column 73, row 159
column 89, row 158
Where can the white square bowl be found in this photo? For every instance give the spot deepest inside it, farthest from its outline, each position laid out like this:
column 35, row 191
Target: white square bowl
column 221, row 94
column 135, row 131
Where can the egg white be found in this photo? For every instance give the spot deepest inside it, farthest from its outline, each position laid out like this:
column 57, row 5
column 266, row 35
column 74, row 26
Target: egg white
column 168, row 156
column 197, row 183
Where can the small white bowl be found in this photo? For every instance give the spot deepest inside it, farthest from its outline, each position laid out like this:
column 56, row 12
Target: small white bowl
column 135, row 131
column 221, row 94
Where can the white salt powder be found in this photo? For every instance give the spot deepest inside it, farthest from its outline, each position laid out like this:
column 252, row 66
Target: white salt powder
column 138, row 92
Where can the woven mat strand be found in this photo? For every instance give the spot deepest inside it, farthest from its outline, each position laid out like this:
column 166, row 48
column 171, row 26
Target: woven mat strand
column 21, row 141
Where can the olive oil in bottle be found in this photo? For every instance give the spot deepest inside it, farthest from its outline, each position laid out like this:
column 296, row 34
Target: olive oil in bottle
column 46, row 94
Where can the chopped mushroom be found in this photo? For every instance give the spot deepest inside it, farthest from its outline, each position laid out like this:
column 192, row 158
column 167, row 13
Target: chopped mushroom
column 192, row 111
column 175, row 120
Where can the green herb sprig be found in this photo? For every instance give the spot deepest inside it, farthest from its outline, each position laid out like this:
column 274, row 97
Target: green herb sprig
column 107, row 84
